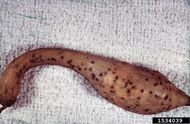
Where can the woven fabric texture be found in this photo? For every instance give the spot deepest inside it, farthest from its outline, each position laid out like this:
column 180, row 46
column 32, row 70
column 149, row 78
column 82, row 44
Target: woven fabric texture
column 154, row 33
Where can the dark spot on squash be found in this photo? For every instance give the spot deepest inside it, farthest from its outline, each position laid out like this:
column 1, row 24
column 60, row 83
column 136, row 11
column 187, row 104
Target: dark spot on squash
column 159, row 78
column 155, row 84
column 112, row 86
column 112, row 91
column 33, row 55
column 69, row 61
column 146, row 79
column 137, row 105
column 93, row 76
column 114, row 72
column 6, row 91
column 146, row 110
column 156, row 96
column 128, row 91
column 168, row 107
column 150, row 92
column 139, row 98
column 166, row 97
column 128, row 107
column 16, row 65
column 101, row 74
column 142, row 90
column 160, row 82
column 122, row 98
column 62, row 57
column 90, row 69
column 126, row 83
column 133, row 87
column 130, row 82
column 53, row 59
column 92, row 62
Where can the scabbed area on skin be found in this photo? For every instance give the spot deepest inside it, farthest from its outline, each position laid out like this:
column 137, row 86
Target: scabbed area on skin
column 133, row 88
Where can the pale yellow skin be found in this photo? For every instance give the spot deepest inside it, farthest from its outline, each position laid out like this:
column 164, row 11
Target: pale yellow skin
column 136, row 89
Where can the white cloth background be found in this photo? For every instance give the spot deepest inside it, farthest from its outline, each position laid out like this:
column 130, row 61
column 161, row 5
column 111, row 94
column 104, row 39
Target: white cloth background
column 154, row 33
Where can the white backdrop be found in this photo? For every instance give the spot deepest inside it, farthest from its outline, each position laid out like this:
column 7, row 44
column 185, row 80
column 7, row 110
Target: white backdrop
column 154, row 33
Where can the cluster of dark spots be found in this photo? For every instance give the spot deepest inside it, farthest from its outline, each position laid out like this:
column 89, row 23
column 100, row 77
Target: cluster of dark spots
column 62, row 57
column 92, row 62
column 36, row 59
